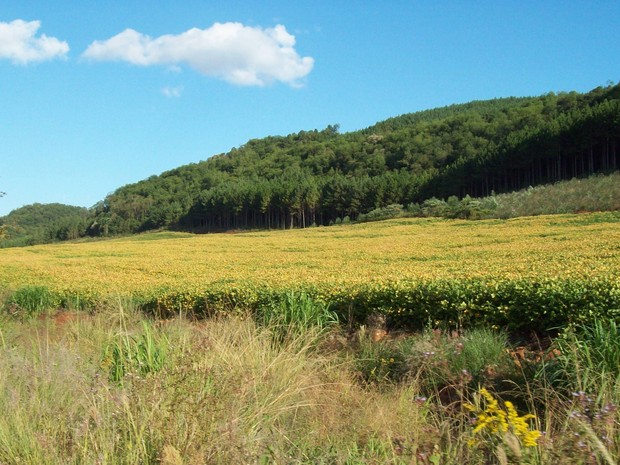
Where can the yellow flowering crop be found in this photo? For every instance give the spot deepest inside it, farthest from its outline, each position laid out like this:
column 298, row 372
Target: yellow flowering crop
column 176, row 270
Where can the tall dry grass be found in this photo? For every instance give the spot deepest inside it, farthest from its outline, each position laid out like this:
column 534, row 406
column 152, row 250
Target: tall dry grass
column 230, row 390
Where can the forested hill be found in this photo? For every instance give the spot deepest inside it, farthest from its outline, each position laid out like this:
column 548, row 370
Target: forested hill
column 37, row 223
column 315, row 177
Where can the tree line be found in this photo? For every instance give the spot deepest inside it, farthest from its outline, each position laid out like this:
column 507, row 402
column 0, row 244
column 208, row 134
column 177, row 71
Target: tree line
column 321, row 176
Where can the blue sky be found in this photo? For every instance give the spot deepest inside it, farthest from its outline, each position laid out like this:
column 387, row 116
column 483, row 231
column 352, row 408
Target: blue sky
column 96, row 95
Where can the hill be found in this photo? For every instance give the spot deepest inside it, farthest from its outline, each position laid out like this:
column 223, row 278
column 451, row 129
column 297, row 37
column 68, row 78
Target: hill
column 316, row 177
column 477, row 149
column 37, row 223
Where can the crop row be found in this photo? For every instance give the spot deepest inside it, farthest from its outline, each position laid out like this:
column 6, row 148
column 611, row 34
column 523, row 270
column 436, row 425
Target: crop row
column 518, row 305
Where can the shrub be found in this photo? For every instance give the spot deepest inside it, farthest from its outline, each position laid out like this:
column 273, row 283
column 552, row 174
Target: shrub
column 385, row 213
column 434, row 207
column 519, row 305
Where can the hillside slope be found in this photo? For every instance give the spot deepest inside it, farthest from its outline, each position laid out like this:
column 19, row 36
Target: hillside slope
column 37, row 223
column 315, row 177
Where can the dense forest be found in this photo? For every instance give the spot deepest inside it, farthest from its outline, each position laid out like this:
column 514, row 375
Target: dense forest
column 318, row 177
column 40, row 223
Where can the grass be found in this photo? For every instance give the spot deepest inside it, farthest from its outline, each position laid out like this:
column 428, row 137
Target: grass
column 590, row 359
column 295, row 313
column 220, row 391
column 141, row 354
column 32, row 300
column 596, row 193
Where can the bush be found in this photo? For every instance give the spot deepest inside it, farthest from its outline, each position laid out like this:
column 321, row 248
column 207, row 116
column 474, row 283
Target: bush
column 519, row 305
column 434, row 207
column 385, row 213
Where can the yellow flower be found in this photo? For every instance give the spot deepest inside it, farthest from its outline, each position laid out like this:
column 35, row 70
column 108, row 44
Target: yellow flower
column 493, row 422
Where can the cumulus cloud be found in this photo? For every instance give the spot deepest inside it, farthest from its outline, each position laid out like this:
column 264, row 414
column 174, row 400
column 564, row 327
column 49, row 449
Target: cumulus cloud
column 171, row 92
column 243, row 55
column 19, row 44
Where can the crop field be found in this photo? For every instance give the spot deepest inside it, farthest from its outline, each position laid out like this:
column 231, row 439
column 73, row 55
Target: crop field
column 416, row 268
column 281, row 377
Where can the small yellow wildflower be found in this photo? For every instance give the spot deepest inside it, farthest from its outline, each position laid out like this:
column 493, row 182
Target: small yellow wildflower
column 493, row 422
column 520, row 427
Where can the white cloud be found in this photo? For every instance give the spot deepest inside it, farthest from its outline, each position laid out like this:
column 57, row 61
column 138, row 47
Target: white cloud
column 243, row 55
column 19, row 44
column 172, row 91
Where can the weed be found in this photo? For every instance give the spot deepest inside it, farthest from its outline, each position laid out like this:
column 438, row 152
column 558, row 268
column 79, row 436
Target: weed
column 590, row 358
column 221, row 391
column 32, row 301
column 142, row 354
column 500, row 430
column 379, row 362
column 482, row 353
column 294, row 313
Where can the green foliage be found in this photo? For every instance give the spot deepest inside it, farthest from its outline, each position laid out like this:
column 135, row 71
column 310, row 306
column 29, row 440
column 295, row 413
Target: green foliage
column 462, row 153
column 447, row 162
column 294, row 313
column 228, row 394
column 32, row 301
column 590, row 358
column 480, row 351
column 596, row 193
column 141, row 355
column 385, row 213
column 519, row 305
column 316, row 177
column 42, row 223
column 382, row 362
column 435, row 360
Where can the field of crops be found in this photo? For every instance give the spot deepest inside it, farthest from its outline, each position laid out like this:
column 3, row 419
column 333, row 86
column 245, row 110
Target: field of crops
column 504, row 271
